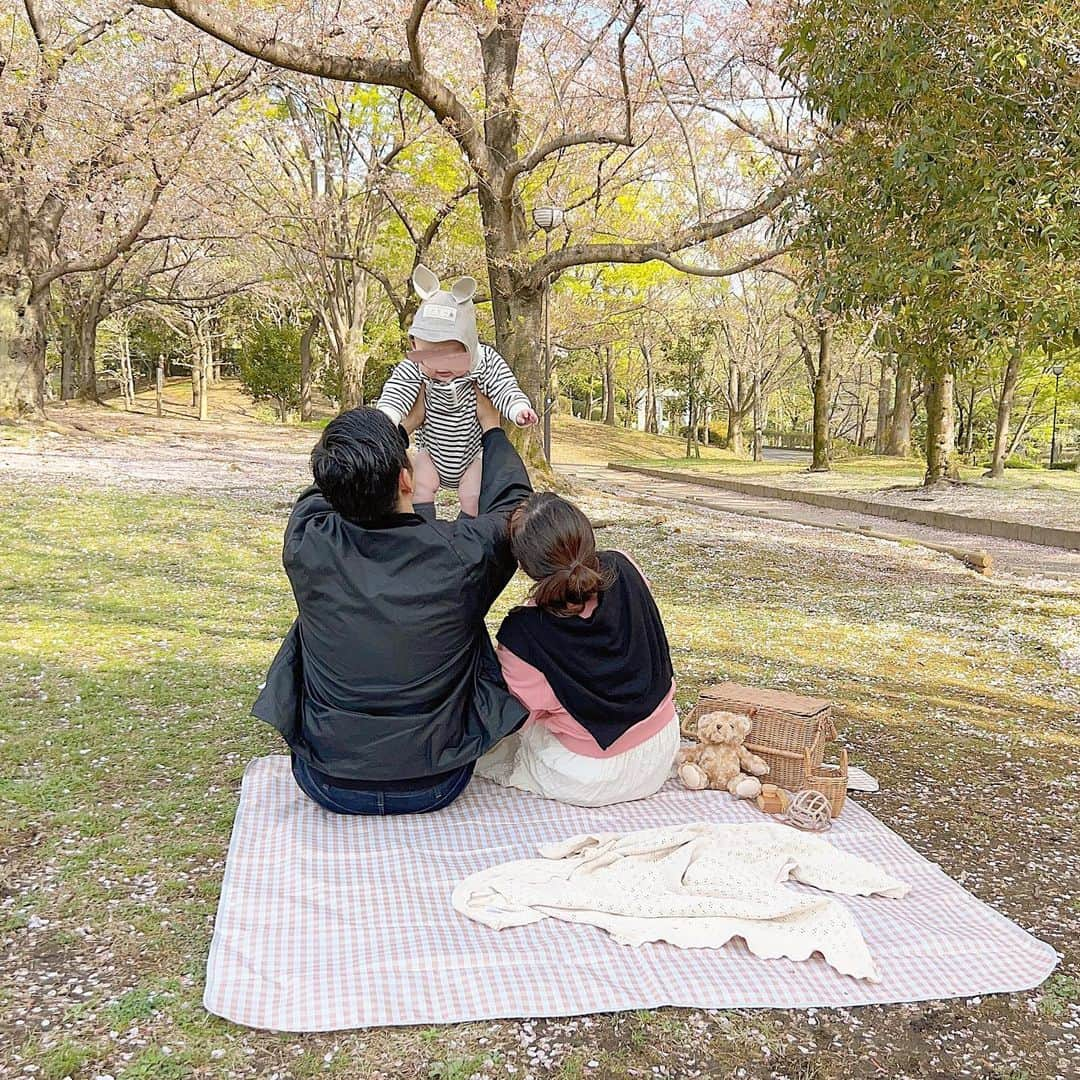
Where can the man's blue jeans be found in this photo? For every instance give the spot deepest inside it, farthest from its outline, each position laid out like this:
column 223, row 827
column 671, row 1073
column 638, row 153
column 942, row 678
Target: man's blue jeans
column 340, row 800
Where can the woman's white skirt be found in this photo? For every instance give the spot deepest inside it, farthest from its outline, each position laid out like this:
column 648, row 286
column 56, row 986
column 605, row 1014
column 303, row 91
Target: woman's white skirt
column 534, row 760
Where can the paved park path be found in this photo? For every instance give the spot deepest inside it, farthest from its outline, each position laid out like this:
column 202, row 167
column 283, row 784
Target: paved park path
column 1009, row 556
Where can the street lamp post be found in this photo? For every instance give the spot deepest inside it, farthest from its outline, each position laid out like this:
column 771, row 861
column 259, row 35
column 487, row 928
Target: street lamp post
column 547, row 218
column 1057, row 369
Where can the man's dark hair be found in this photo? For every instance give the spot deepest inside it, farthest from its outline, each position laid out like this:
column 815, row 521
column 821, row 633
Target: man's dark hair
column 357, row 463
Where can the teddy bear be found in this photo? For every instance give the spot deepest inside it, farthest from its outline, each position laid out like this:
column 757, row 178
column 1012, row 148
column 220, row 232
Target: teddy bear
column 719, row 760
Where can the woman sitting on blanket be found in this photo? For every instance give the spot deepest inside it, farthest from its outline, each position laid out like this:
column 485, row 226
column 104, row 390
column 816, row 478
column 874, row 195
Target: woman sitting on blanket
column 588, row 657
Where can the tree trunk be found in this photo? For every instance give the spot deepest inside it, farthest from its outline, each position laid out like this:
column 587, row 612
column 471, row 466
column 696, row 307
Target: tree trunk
column 884, row 408
column 822, row 380
column 127, row 375
column 969, row 434
column 517, row 306
column 940, row 429
column 735, row 434
column 1004, row 414
column 353, row 363
column 899, row 441
column 651, row 424
column 759, row 438
column 211, row 353
column 305, row 367
column 734, row 420
column 864, row 418
column 22, row 349
column 206, row 363
column 69, row 359
column 88, row 319
column 609, row 382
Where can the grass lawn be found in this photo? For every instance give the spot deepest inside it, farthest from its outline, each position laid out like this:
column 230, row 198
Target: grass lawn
column 1040, row 496
column 585, row 442
column 866, row 473
column 139, row 623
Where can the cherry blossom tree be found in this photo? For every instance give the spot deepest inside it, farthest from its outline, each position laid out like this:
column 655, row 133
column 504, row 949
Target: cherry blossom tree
column 101, row 108
column 580, row 105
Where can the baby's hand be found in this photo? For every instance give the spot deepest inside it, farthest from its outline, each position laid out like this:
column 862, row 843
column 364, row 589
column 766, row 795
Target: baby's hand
column 526, row 418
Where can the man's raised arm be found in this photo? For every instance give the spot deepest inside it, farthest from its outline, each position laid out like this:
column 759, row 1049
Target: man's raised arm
column 504, row 482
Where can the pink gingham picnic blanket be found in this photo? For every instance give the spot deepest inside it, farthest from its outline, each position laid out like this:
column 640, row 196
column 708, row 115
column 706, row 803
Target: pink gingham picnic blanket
column 329, row 922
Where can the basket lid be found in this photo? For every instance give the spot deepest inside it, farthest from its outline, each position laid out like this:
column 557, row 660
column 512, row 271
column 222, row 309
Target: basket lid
column 781, row 700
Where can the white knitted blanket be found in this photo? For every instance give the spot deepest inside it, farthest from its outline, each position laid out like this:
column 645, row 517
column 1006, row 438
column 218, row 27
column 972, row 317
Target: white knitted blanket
column 695, row 886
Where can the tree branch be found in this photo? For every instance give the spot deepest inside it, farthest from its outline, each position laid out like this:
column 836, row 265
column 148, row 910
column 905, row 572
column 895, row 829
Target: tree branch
column 86, row 266
column 535, row 157
column 562, row 142
column 92, row 33
column 725, row 271
column 412, row 32
column 36, row 26
column 438, row 97
column 582, row 254
column 763, row 137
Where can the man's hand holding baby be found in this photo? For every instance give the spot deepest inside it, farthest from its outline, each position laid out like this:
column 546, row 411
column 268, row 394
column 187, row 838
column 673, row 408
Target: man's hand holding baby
column 486, row 413
column 415, row 416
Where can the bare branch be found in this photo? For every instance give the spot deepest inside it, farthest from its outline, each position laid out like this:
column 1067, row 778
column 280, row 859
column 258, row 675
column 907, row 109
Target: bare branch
column 123, row 244
column 763, row 137
column 625, row 138
column 725, row 271
column 92, row 33
column 412, row 32
column 36, row 26
column 582, row 254
column 535, row 157
column 447, row 107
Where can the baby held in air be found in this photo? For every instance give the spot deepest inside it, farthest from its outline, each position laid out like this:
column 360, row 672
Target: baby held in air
column 449, row 362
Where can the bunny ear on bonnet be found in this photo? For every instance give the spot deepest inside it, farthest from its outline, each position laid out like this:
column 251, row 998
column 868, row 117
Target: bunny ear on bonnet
column 425, row 282
column 463, row 289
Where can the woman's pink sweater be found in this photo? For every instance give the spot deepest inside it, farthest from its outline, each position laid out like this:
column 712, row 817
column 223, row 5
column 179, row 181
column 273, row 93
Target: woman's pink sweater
column 531, row 688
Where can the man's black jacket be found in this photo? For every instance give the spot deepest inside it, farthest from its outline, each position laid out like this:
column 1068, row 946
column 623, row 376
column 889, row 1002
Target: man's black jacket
column 388, row 673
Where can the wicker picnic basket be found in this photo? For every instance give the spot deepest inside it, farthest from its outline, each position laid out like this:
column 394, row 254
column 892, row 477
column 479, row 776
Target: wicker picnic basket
column 830, row 780
column 786, row 727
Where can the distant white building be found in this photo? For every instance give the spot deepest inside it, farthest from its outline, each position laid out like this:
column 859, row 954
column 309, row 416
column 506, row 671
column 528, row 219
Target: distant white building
column 666, row 410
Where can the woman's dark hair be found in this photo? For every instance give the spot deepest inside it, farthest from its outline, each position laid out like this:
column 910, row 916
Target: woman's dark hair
column 554, row 544
column 357, row 464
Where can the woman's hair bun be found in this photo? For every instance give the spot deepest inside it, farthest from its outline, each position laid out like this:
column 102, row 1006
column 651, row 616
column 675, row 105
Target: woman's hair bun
column 554, row 544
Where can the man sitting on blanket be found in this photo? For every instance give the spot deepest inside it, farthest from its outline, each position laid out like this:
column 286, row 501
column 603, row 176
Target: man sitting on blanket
column 386, row 688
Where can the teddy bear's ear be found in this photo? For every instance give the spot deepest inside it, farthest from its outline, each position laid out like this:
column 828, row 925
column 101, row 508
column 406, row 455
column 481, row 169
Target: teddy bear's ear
column 425, row 282
column 463, row 289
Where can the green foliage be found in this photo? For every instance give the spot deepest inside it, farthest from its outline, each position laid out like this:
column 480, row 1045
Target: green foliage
column 152, row 339
column 156, row 1065
column 949, row 197
column 1059, row 992
column 270, row 365
column 64, row 1059
column 132, row 1006
column 457, row 1068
